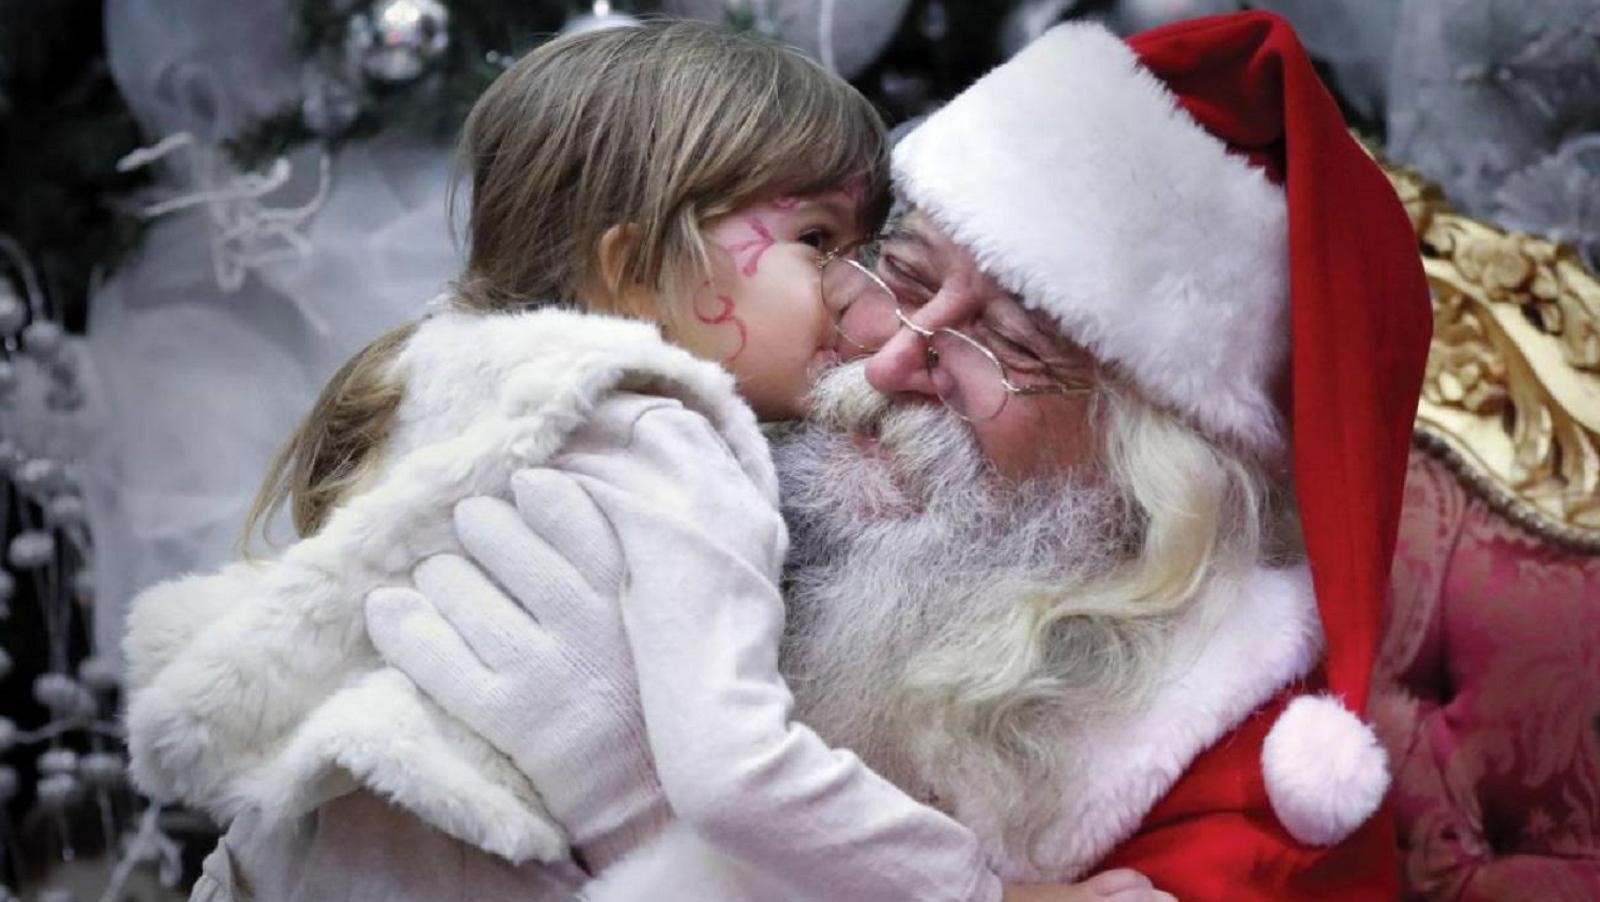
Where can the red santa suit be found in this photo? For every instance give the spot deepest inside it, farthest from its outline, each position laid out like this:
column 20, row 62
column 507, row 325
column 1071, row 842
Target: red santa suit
column 1189, row 207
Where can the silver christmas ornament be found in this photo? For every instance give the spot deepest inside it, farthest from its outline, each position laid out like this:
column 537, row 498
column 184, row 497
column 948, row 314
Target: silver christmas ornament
column 102, row 770
column 397, row 39
column 8, row 734
column 43, row 339
column 56, row 691
column 600, row 15
column 58, row 761
column 57, row 791
column 98, row 673
column 31, row 548
column 8, row 783
column 13, row 311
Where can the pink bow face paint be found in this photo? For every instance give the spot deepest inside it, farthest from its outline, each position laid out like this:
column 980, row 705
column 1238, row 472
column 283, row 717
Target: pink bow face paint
column 760, row 313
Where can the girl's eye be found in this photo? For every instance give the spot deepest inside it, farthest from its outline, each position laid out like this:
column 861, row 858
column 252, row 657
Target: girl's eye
column 821, row 239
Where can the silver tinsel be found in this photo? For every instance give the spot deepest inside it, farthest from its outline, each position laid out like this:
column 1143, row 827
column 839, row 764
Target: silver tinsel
column 396, row 40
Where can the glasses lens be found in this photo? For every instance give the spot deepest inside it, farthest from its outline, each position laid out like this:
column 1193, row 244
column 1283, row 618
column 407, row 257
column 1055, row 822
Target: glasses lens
column 967, row 379
column 863, row 309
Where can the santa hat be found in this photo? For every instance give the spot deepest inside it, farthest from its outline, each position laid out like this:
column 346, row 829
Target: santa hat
column 1190, row 208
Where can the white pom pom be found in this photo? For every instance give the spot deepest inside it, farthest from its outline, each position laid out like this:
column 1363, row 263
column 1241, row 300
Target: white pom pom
column 1325, row 771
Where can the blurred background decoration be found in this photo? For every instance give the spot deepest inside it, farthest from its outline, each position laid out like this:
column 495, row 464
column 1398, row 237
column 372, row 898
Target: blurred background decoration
column 210, row 204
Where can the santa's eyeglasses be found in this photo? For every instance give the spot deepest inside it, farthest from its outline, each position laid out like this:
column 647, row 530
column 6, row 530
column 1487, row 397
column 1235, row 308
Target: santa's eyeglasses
column 867, row 313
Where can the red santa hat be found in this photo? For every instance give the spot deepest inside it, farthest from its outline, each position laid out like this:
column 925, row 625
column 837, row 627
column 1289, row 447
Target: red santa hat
column 1190, row 207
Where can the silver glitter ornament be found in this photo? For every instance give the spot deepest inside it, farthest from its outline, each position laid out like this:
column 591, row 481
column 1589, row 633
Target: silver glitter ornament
column 56, row 691
column 8, row 734
column 8, row 783
column 58, row 761
column 102, row 770
column 600, row 15
column 13, row 311
column 395, row 40
column 31, row 548
column 98, row 673
column 43, row 339
column 57, row 791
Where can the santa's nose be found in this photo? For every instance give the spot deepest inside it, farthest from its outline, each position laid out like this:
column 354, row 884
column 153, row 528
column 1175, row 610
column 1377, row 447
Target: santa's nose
column 901, row 366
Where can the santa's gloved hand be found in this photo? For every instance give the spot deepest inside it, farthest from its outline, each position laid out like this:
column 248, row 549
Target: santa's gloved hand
column 553, row 688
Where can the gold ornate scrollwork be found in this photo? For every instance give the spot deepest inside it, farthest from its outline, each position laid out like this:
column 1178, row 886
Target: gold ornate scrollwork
column 1512, row 390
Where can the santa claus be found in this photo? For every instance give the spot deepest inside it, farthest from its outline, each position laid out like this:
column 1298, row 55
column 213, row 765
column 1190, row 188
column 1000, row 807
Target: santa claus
column 1160, row 289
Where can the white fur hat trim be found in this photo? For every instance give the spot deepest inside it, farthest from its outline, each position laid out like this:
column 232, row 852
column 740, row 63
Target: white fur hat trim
column 1076, row 180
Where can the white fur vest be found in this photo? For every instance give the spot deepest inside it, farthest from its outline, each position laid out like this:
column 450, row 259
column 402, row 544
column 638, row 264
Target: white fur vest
column 256, row 687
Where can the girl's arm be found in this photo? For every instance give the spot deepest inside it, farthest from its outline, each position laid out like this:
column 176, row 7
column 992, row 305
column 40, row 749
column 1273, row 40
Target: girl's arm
column 703, row 618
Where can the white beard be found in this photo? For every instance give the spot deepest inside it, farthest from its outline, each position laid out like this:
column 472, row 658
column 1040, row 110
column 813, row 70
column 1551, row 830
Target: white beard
column 899, row 558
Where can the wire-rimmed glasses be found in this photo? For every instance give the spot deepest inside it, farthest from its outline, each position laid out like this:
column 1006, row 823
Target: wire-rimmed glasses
column 867, row 313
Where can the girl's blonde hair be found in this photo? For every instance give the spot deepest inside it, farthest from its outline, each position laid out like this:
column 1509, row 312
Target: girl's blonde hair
column 655, row 128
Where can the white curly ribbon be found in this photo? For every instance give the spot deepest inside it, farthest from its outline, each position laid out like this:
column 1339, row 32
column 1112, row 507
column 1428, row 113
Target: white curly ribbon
column 247, row 233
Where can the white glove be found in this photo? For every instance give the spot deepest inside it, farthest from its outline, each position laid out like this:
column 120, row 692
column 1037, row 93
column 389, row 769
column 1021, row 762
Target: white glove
column 555, row 692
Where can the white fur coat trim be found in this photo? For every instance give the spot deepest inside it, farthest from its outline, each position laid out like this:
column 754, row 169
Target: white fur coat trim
column 1076, row 180
column 1242, row 646
column 256, row 687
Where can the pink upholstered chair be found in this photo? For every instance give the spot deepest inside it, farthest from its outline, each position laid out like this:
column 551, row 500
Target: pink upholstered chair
column 1488, row 688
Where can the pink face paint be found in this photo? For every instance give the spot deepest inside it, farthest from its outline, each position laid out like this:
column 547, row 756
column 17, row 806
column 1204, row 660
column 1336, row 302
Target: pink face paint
column 722, row 315
column 754, row 247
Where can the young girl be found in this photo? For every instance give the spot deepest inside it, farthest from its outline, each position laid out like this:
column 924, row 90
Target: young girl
column 687, row 180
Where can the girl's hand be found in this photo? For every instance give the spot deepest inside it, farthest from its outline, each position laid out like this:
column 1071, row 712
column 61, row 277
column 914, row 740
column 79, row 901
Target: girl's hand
column 543, row 673
column 1121, row 885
